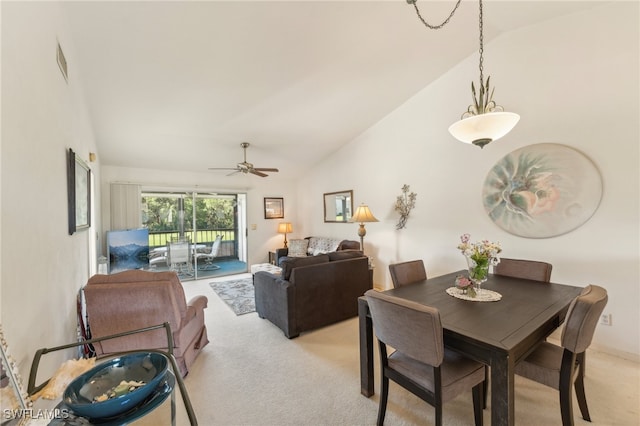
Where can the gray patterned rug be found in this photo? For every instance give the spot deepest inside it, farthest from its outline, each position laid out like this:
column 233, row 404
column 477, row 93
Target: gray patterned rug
column 238, row 294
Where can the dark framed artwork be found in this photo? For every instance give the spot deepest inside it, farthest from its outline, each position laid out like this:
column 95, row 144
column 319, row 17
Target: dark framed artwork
column 78, row 193
column 273, row 208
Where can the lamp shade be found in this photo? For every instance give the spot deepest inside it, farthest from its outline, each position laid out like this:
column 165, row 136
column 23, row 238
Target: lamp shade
column 363, row 214
column 483, row 128
column 285, row 228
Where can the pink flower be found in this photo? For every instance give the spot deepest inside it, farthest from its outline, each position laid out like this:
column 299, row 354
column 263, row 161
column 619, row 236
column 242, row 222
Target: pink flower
column 462, row 281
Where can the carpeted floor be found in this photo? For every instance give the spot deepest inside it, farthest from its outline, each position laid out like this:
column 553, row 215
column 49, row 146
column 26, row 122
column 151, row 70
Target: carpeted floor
column 237, row 294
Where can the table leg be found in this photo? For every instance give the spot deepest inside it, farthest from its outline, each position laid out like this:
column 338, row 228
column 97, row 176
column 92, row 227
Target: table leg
column 502, row 391
column 366, row 348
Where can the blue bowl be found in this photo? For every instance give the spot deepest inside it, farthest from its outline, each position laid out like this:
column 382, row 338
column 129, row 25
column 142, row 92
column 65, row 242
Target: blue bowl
column 148, row 367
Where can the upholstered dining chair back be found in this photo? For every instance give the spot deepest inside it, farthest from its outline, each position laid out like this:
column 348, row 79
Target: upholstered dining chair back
column 410, row 272
column 408, row 327
column 561, row 367
column 582, row 318
column 420, row 363
column 521, row 268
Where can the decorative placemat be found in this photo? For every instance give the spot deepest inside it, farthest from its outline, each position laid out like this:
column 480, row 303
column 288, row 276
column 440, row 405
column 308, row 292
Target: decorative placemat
column 484, row 296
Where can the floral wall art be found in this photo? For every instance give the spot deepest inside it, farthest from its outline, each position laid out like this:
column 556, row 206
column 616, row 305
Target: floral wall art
column 542, row 190
column 404, row 204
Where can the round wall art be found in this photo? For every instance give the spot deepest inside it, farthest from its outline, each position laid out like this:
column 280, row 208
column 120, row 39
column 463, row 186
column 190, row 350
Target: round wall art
column 542, row 190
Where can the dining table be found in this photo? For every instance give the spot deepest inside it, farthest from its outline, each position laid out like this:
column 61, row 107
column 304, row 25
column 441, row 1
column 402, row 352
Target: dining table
column 498, row 333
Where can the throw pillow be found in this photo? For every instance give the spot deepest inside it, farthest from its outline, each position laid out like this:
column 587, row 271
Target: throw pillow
column 320, row 245
column 298, row 248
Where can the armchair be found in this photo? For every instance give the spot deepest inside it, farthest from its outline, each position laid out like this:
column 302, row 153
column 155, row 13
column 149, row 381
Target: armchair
column 137, row 299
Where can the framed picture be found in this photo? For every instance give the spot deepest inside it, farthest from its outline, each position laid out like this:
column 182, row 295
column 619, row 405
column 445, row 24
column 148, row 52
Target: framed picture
column 78, row 193
column 273, row 208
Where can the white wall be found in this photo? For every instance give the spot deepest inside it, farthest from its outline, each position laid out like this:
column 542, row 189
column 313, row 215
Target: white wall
column 260, row 240
column 43, row 267
column 574, row 81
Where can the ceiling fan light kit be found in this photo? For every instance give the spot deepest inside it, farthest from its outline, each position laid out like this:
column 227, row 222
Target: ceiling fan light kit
column 484, row 121
column 246, row 167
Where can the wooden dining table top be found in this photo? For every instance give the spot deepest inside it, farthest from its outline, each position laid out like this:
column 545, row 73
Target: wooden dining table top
column 502, row 324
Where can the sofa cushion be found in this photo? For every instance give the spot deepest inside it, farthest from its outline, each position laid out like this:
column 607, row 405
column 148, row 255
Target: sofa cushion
column 298, row 248
column 319, row 245
column 344, row 254
column 294, row 262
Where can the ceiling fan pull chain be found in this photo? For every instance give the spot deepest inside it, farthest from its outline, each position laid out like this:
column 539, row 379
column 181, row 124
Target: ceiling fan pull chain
column 428, row 25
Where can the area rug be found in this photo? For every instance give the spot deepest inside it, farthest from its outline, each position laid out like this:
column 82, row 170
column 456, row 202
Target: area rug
column 237, row 294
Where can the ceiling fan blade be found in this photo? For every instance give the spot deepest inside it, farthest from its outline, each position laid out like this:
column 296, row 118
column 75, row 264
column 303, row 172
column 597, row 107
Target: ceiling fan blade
column 235, row 171
column 257, row 173
column 265, row 169
column 223, row 168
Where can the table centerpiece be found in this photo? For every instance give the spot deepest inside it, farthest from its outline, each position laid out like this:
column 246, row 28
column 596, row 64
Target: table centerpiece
column 479, row 255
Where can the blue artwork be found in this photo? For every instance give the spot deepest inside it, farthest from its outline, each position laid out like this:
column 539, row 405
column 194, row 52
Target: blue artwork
column 128, row 249
column 542, row 190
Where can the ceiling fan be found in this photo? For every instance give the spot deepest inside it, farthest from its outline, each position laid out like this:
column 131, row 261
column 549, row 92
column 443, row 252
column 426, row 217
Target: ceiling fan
column 246, row 167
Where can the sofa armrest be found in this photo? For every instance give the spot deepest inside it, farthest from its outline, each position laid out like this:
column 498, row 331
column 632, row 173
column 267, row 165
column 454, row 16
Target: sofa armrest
column 275, row 301
column 281, row 252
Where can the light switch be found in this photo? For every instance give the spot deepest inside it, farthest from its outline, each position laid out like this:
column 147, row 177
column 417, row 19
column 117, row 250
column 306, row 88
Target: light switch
column 254, row 226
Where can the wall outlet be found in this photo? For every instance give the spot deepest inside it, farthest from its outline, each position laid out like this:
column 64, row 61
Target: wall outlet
column 605, row 319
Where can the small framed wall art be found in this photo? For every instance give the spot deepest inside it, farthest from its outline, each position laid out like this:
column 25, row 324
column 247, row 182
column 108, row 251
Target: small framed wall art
column 78, row 193
column 273, row 208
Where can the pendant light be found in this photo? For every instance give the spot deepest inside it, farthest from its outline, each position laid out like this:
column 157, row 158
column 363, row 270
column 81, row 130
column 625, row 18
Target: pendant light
column 484, row 121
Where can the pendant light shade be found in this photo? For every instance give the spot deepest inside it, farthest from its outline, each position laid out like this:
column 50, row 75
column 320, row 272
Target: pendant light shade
column 484, row 128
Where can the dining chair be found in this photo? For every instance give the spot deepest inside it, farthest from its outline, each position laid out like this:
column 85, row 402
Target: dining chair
column 410, row 272
column 179, row 256
column 420, row 363
column 560, row 367
column 208, row 256
column 521, row 268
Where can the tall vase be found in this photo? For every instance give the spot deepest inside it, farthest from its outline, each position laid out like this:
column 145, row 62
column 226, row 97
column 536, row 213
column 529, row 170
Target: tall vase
column 478, row 271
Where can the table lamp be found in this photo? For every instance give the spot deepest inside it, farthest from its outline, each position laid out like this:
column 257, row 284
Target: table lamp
column 362, row 215
column 285, row 228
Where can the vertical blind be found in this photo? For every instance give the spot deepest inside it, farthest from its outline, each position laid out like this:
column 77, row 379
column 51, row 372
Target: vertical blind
column 125, row 206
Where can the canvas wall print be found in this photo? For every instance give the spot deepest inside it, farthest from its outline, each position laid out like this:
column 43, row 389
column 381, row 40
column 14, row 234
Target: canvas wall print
column 128, row 249
column 542, row 190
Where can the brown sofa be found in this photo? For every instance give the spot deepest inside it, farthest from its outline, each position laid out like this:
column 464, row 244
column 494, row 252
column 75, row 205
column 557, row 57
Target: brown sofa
column 343, row 245
column 312, row 291
column 136, row 299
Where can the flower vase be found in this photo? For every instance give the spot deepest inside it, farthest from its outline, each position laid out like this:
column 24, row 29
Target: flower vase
column 478, row 271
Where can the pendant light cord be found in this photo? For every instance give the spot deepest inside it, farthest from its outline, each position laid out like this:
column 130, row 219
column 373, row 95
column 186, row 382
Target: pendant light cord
column 435, row 27
column 481, row 47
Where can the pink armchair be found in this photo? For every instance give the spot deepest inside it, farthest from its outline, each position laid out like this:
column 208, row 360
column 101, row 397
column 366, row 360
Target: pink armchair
column 136, row 299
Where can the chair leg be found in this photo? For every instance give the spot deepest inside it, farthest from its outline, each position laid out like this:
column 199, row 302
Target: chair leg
column 579, row 386
column 485, row 387
column 565, row 388
column 384, row 394
column 478, row 400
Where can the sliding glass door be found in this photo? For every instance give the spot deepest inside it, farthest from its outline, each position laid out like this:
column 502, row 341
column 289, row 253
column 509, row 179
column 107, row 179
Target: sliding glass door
column 213, row 224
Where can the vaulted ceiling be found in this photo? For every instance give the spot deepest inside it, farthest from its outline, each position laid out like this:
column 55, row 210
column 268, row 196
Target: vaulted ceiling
column 179, row 85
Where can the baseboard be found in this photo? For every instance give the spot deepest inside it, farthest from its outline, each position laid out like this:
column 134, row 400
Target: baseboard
column 604, row 349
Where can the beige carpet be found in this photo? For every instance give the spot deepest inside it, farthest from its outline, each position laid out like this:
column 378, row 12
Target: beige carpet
column 250, row 374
